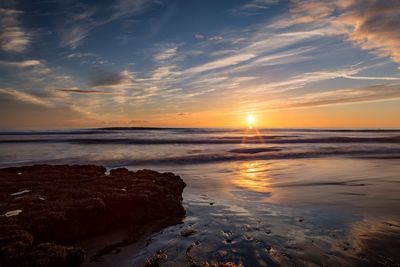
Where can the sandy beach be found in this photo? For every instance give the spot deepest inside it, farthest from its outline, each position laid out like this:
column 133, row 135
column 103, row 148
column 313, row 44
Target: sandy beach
column 285, row 198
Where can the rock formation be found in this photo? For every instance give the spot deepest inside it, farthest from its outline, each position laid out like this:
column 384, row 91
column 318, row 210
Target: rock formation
column 46, row 209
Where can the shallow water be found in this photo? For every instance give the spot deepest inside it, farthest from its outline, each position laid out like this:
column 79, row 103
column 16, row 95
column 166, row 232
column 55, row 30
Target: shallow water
column 266, row 198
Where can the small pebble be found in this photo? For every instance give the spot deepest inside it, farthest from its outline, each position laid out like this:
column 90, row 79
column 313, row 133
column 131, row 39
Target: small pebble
column 187, row 232
column 20, row 193
column 12, row 213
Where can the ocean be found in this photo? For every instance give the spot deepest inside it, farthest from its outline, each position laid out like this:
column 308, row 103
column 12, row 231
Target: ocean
column 260, row 197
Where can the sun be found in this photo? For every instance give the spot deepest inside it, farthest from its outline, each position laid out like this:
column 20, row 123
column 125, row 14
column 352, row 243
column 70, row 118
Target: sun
column 250, row 120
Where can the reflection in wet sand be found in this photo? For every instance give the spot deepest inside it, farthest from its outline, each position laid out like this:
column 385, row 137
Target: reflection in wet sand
column 305, row 212
column 252, row 182
column 376, row 242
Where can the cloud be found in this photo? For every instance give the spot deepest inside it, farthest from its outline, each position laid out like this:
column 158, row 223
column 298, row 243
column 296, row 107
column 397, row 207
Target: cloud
column 216, row 38
column 21, row 64
column 24, row 97
column 82, row 55
column 371, row 78
column 14, row 38
column 79, row 91
column 286, row 57
column 199, row 36
column 31, row 66
column 104, row 78
column 373, row 24
column 256, row 47
column 222, row 62
column 162, row 72
column 166, row 54
column 123, row 85
column 253, row 7
column 83, row 19
column 124, row 8
column 338, row 97
column 78, row 25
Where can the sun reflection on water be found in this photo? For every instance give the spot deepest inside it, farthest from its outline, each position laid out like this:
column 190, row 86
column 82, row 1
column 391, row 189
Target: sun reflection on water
column 252, row 134
column 253, row 176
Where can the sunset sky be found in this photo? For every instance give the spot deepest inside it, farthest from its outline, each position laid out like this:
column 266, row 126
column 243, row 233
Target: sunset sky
column 200, row 63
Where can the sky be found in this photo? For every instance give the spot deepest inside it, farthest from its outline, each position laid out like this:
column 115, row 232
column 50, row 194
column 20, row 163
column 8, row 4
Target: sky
column 199, row 63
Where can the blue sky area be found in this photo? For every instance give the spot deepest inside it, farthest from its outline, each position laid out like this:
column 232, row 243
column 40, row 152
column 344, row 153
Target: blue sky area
column 67, row 63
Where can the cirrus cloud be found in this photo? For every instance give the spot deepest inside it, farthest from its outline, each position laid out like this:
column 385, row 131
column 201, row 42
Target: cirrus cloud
column 371, row 24
column 14, row 38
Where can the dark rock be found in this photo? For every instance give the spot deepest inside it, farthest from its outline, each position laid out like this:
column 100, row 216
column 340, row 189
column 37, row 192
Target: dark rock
column 156, row 260
column 80, row 201
column 187, row 232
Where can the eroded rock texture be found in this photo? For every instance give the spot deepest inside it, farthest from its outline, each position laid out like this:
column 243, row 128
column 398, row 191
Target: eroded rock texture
column 46, row 209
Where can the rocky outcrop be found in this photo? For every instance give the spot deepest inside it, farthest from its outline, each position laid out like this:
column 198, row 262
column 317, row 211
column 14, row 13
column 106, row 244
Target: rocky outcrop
column 46, row 209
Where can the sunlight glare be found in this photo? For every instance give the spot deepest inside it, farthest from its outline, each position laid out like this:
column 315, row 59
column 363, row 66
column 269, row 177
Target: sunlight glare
column 250, row 120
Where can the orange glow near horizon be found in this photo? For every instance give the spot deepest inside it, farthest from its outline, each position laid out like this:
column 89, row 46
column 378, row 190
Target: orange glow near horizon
column 362, row 115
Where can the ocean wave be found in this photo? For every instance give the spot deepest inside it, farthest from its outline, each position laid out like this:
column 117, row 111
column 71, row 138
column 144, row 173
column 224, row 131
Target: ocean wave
column 255, row 150
column 113, row 130
column 216, row 140
column 210, row 158
column 241, row 130
column 386, row 153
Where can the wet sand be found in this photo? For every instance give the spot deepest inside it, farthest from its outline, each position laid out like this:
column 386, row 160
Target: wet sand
column 308, row 212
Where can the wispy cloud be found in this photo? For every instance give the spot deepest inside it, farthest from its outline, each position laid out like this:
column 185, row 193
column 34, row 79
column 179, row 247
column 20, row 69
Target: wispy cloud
column 80, row 23
column 339, row 97
column 25, row 97
column 105, row 78
column 82, row 55
column 373, row 25
column 124, row 8
column 220, row 63
column 125, row 86
column 80, row 91
column 304, row 79
column 253, row 7
column 199, row 36
column 166, row 53
column 21, row 64
column 14, row 38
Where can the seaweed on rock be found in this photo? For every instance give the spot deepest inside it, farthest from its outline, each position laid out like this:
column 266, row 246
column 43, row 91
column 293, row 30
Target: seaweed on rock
column 62, row 205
